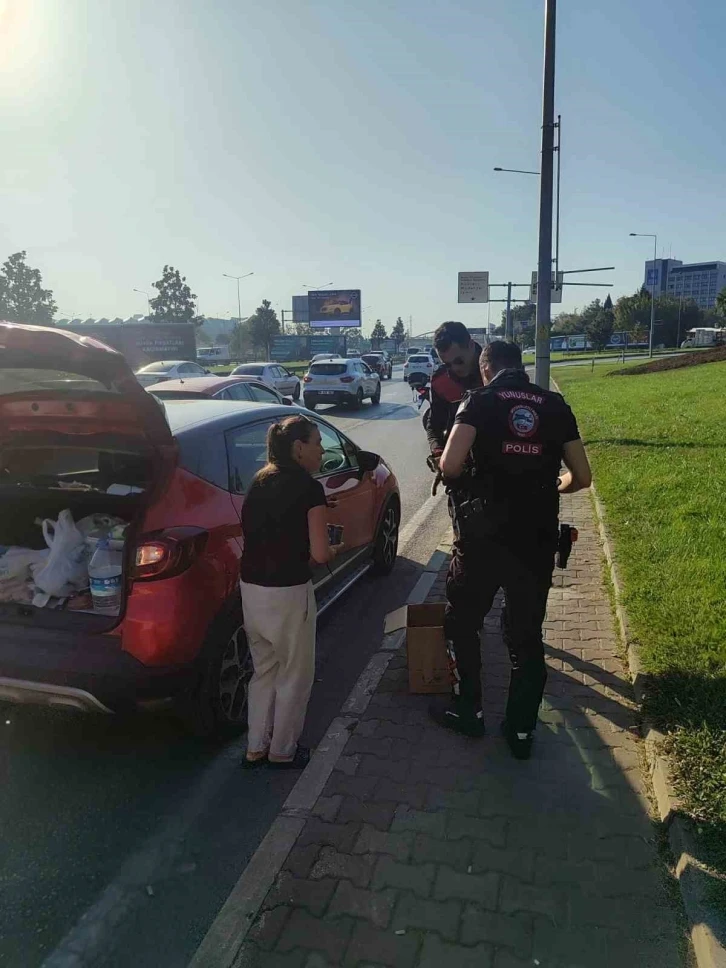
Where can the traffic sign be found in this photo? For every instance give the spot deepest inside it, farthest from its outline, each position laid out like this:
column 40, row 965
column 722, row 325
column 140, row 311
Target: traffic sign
column 473, row 287
column 557, row 281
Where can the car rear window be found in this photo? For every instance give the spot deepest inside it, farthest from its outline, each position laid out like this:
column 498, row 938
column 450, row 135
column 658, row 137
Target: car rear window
column 250, row 369
column 372, row 359
column 19, row 380
column 328, row 369
column 419, row 359
column 157, row 368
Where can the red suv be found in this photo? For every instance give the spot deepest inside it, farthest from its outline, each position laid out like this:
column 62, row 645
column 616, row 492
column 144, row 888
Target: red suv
column 74, row 423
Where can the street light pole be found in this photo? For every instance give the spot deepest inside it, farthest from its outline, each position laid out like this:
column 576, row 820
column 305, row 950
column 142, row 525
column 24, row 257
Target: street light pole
column 508, row 328
column 544, row 262
column 239, row 302
column 148, row 298
column 649, row 235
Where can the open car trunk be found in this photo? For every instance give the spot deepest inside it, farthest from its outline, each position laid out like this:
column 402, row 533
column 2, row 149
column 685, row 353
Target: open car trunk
column 77, row 433
column 38, row 483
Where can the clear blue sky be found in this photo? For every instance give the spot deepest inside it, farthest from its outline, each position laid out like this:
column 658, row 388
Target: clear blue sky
column 350, row 141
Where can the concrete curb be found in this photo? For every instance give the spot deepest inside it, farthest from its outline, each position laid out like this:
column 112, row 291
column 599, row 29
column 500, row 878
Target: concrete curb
column 224, row 941
column 692, row 878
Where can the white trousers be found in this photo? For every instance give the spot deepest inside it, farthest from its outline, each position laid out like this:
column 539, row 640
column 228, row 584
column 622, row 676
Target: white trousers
column 280, row 627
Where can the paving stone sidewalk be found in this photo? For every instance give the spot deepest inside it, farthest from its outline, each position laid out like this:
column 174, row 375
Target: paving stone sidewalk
column 429, row 850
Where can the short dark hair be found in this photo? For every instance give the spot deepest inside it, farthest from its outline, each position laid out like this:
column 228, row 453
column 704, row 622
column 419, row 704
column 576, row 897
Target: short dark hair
column 502, row 356
column 451, row 332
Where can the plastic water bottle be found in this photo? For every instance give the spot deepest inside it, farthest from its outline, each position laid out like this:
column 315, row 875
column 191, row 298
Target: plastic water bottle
column 105, row 572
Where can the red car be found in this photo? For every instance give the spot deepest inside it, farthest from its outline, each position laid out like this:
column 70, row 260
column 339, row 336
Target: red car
column 75, row 422
column 245, row 388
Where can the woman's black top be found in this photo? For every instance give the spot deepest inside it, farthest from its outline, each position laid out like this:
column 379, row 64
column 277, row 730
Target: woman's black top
column 276, row 549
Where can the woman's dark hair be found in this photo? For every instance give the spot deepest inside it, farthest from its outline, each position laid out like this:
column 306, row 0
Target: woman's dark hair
column 502, row 356
column 280, row 439
column 451, row 332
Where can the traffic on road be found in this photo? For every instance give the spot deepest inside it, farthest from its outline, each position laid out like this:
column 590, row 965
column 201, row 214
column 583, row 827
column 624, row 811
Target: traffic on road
column 129, row 706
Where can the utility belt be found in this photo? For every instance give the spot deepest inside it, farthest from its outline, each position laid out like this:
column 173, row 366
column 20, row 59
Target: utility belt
column 481, row 512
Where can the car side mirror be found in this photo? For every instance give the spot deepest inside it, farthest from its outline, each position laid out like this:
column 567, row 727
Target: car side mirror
column 368, row 461
column 288, row 402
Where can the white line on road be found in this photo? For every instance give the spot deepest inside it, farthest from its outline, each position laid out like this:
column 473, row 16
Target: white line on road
column 418, row 520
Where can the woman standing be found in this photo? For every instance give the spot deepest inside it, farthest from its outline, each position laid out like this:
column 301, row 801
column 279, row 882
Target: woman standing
column 284, row 524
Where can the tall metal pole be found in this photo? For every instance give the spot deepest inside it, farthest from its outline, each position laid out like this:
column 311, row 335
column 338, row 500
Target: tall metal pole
column 239, row 305
column 508, row 328
column 652, row 298
column 544, row 262
column 557, row 217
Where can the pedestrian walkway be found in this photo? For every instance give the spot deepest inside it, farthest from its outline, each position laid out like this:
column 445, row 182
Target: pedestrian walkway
column 429, row 850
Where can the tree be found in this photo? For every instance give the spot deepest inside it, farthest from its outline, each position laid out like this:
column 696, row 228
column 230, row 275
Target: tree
column 264, row 326
column 176, row 303
column 22, row 297
column 398, row 332
column 632, row 313
column 721, row 303
column 567, row 324
column 523, row 322
column 379, row 331
column 598, row 322
column 240, row 340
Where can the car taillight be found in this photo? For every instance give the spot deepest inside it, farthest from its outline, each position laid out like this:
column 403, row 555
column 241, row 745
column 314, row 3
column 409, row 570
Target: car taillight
column 164, row 554
column 307, row 379
column 346, row 379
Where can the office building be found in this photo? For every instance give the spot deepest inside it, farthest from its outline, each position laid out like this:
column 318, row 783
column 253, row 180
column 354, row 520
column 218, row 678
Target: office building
column 699, row 281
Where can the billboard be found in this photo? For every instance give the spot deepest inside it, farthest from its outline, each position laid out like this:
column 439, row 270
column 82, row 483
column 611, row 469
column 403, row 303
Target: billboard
column 289, row 349
column 300, row 309
column 143, row 343
column 334, row 308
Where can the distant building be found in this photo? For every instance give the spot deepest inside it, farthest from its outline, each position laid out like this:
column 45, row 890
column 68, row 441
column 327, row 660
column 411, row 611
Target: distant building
column 697, row 281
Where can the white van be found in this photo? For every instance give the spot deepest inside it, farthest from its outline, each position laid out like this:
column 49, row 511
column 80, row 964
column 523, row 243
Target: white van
column 212, row 355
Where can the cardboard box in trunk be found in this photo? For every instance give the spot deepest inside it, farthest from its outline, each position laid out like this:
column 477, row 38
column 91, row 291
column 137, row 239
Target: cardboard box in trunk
column 428, row 664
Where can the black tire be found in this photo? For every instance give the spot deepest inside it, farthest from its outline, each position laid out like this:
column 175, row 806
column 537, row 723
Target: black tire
column 216, row 707
column 357, row 402
column 385, row 548
column 376, row 398
column 296, row 393
column 310, row 404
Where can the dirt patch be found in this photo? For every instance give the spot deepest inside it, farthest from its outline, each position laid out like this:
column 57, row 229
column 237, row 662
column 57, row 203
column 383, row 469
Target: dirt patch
column 716, row 355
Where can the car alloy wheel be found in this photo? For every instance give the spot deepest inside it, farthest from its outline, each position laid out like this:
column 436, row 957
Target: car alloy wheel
column 386, row 548
column 235, row 672
column 357, row 402
column 376, row 398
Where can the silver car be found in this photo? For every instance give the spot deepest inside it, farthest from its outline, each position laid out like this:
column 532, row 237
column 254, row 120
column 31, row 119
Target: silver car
column 274, row 375
column 340, row 381
column 169, row 370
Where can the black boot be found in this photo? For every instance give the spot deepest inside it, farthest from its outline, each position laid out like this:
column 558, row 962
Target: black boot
column 519, row 743
column 460, row 717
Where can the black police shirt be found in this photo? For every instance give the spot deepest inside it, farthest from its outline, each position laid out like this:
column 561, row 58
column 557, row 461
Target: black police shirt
column 276, row 550
column 521, row 431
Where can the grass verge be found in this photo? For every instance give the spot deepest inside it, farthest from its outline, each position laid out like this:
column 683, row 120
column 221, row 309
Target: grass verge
column 658, row 449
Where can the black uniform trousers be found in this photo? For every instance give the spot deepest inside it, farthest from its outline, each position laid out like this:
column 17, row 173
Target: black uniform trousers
column 523, row 569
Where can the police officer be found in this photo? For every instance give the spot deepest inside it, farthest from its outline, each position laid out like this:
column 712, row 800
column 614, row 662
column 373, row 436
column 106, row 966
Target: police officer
column 503, row 456
column 459, row 372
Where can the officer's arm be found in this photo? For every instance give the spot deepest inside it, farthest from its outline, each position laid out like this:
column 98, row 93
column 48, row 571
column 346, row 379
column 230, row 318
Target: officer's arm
column 578, row 474
column 438, row 418
column 458, row 445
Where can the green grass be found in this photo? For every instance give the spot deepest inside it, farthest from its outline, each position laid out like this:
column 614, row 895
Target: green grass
column 657, row 443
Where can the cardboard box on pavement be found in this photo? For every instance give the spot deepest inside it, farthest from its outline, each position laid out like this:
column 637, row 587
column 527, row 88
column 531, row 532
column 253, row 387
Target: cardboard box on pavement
column 428, row 664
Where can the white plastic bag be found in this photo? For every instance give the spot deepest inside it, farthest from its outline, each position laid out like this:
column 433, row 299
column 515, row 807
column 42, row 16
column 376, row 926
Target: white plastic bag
column 66, row 570
column 16, row 563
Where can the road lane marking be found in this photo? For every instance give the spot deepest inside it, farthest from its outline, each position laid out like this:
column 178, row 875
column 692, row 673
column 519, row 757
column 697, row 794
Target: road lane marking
column 418, row 519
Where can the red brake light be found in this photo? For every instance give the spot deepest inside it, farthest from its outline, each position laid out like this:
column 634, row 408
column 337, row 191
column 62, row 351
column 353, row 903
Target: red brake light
column 164, row 554
column 346, row 379
column 307, row 379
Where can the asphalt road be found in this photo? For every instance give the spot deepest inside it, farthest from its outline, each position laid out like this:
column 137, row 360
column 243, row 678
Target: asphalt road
column 122, row 838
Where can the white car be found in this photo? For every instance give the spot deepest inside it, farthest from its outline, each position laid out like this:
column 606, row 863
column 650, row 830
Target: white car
column 421, row 363
column 341, row 381
column 274, row 375
column 164, row 370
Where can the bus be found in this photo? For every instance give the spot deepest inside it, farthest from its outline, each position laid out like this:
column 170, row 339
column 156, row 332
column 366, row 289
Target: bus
column 212, row 355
